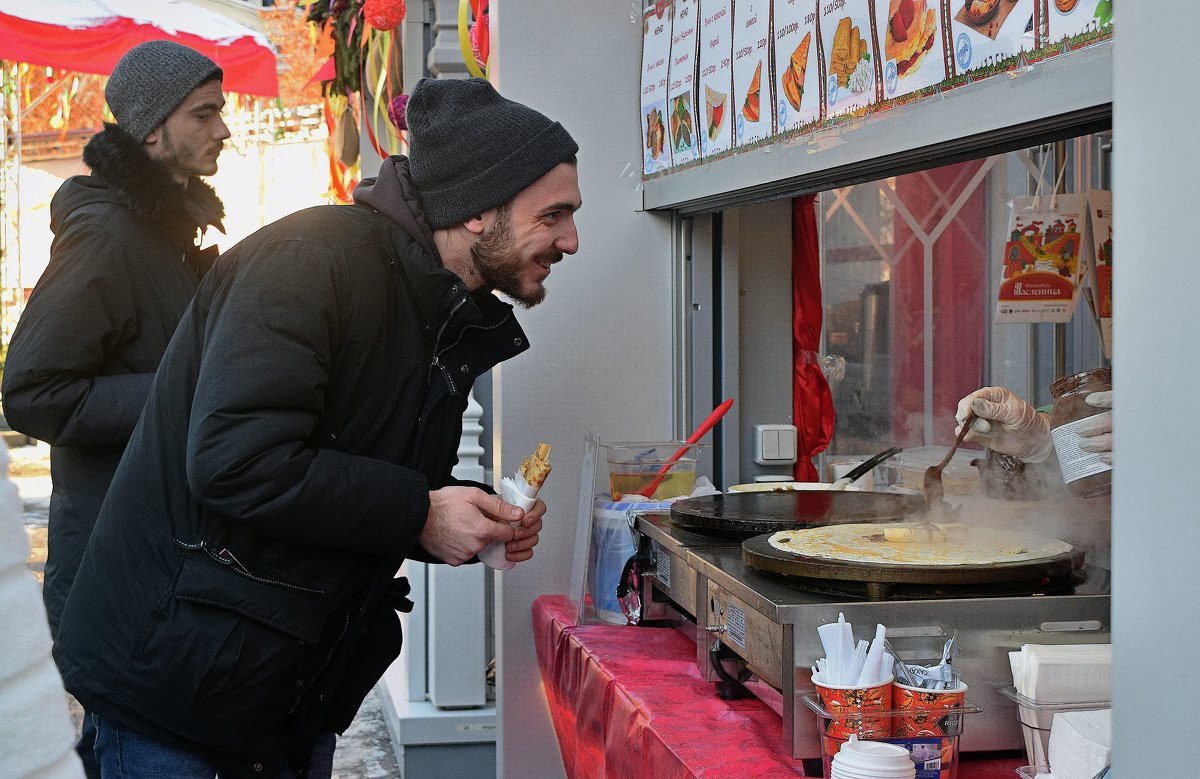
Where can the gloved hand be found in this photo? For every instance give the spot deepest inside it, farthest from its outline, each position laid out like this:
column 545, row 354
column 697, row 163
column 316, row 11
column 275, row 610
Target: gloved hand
column 1004, row 423
column 1095, row 433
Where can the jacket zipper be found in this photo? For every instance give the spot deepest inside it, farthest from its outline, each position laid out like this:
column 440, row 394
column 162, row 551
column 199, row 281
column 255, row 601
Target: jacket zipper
column 226, row 557
column 438, row 351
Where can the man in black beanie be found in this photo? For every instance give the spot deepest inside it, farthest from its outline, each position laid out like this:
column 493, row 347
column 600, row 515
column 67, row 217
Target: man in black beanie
column 124, row 263
column 239, row 596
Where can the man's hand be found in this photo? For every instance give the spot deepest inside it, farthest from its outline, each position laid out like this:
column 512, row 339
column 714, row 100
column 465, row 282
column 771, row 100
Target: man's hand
column 463, row 520
column 526, row 537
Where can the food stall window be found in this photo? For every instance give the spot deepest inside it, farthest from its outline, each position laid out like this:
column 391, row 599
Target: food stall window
column 910, row 274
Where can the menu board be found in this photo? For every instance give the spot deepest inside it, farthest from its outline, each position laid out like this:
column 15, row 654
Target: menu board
column 847, row 44
column 986, row 34
column 716, row 76
column 797, row 75
column 681, row 85
column 753, row 122
column 1068, row 18
column 912, row 45
column 656, row 50
column 722, row 76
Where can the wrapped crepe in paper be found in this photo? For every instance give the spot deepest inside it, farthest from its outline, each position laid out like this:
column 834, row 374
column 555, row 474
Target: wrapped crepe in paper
column 521, row 490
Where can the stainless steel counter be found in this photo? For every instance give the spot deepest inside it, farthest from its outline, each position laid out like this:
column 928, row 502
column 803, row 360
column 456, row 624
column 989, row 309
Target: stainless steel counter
column 771, row 626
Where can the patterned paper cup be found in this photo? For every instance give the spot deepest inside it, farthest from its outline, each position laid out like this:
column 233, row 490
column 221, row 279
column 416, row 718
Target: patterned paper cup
column 851, row 708
column 928, row 715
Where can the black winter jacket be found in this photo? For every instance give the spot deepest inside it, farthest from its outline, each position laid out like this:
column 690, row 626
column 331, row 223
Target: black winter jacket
column 238, row 592
column 123, row 267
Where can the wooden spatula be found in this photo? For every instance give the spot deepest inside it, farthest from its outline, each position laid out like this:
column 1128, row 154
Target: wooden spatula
column 933, row 489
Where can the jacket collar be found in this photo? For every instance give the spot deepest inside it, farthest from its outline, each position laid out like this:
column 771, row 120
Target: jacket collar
column 393, row 194
column 149, row 190
column 439, row 292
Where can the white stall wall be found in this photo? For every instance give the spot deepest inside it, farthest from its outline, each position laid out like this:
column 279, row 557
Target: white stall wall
column 600, row 356
column 764, row 321
column 1156, row 373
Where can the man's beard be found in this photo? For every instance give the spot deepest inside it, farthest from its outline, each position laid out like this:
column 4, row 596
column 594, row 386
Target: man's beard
column 500, row 265
column 170, row 156
column 174, row 158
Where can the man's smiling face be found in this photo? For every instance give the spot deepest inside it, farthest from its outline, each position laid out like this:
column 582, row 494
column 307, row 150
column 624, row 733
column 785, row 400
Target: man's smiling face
column 527, row 235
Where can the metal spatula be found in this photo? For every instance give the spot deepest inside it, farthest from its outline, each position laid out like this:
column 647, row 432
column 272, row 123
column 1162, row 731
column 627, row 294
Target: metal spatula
column 862, row 468
column 934, row 492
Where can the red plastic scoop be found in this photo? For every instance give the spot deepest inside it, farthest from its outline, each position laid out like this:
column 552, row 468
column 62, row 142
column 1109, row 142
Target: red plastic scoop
column 705, row 426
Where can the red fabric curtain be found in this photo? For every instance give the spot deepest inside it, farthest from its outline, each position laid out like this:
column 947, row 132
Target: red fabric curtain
column 812, row 403
column 248, row 67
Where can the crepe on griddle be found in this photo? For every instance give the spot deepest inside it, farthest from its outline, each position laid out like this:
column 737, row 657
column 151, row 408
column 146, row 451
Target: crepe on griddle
column 870, row 543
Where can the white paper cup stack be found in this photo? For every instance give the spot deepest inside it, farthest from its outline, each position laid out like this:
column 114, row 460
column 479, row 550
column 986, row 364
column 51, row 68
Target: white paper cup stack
column 872, row 760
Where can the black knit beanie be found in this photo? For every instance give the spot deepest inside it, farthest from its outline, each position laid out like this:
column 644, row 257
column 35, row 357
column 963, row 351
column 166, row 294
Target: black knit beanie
column 150, row 82
column 472, row 150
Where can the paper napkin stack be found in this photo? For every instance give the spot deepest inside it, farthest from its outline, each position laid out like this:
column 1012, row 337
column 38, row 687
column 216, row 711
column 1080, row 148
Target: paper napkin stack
column 1068, row 674
column 1080, row 743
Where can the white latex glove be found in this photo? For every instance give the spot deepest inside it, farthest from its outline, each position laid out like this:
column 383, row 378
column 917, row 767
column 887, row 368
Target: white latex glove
column 1004, row 423
column 1095, row 433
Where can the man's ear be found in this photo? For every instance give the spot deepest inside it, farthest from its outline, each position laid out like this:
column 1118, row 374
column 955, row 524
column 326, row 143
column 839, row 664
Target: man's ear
column 475, row 224
column 153, row 136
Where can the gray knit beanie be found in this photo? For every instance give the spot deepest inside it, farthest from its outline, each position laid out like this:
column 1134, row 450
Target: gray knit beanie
column 472, row 150
column 150, row 82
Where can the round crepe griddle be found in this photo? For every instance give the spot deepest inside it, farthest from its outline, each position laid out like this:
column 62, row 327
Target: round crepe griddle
column 759, row 553
column 750, row 513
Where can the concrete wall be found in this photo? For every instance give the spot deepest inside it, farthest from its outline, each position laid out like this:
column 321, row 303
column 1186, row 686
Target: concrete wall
column 600, row 356
column 1156, row 375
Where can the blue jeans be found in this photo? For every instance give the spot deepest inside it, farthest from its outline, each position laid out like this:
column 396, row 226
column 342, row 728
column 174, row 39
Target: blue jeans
column 86, row 748
column 126, row 754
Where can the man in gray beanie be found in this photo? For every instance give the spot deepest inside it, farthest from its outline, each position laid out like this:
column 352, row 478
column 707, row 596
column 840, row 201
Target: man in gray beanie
column 239, row 595
column 124, row 263
column 150, row 82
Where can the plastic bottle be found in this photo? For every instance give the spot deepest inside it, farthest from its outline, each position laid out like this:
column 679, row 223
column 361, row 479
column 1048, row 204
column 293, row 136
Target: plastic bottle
column 1083, row 472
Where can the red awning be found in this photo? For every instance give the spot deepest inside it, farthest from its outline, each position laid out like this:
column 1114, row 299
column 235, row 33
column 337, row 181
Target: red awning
column 93, row 39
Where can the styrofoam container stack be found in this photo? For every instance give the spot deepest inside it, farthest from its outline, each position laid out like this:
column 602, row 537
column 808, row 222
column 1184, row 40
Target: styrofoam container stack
column 871, row 760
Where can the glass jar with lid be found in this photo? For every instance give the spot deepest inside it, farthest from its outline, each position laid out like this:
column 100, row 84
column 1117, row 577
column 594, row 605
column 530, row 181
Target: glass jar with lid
column 1085, row 475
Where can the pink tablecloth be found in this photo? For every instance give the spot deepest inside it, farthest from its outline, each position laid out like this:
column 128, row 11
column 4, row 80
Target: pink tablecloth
column 629, row 702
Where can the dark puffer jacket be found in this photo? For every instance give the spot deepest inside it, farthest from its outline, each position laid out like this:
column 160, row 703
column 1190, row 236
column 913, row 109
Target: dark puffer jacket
column 238, row 591
column 123, row 267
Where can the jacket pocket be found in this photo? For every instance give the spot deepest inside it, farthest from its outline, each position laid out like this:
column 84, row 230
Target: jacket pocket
column 240, row 654
column 294, row 612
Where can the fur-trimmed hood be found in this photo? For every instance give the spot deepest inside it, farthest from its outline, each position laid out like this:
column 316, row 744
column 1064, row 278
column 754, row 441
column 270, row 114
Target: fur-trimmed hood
column 124, row 175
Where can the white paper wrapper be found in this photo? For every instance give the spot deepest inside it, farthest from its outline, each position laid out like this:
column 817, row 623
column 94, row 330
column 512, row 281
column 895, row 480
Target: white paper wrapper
column 517, row 491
